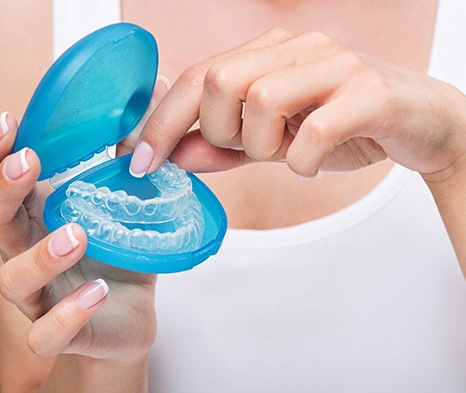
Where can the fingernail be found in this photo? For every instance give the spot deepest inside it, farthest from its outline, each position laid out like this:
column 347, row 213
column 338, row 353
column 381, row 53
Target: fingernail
column 237, row 148
column 16, row 165
column 3, row 123
column 301, row 177
column 92, row 293
column 161, row 89
column 141, row 160
column 63, row 241
column 164, row 80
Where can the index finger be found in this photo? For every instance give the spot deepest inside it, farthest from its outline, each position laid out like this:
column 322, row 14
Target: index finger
column 179, row 110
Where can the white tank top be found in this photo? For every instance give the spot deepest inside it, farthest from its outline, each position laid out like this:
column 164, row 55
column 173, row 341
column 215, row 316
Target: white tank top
column 368, row 299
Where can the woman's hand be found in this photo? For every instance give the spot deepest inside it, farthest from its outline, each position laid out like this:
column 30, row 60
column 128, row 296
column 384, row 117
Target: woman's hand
column 51, row 282
column 307, row 99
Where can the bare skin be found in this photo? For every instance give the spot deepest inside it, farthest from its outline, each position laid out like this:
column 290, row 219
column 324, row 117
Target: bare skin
column 250, row 193
column 298, row 201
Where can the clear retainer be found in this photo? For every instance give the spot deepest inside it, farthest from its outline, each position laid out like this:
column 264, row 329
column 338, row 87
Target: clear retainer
column 168, row 224
column 175, row 190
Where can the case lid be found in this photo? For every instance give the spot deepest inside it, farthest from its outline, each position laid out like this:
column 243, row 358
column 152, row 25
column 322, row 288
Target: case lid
column 90, row 98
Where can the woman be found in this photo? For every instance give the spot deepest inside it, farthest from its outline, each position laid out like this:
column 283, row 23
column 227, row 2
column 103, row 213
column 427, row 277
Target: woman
column 357, row 290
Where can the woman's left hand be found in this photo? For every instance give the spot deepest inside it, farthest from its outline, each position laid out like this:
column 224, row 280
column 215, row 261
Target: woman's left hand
column 307, row 99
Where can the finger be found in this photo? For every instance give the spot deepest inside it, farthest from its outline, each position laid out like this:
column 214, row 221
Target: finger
column 8, row 130
column 324, row 131
column 194, row 154
column 51, row 334
column 277, row 97
column 227, row 83
column 180, row 109
column 225, row 88
column 18, row 176
column 23, row 277
column 160, row 90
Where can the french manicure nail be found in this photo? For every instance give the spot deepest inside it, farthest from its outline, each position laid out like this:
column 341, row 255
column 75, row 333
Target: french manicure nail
column 161, row 88
column 164, row 80
column 63, row 241
column 301, row 177
column 16, row 165
column 141, row 160
column 3, row 123
column 92, row 293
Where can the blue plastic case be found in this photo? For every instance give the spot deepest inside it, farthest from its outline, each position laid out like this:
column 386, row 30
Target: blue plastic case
column 92, row 97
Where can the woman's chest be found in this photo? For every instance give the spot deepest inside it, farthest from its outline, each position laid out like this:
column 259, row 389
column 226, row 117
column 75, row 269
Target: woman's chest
column 189, row 31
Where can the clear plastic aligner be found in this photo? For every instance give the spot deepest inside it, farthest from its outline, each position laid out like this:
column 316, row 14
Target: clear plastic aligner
column 103, row 213
column 175, row 190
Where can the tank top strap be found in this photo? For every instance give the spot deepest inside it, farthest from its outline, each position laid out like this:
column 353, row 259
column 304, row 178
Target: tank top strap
column 448, row 56
column 73, row 19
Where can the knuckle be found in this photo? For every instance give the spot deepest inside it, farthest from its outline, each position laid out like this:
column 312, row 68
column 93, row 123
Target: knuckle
column 37, row 344
column 260, row 98
column 193, row 77
column 302, row 161
column 59, row 320
column 260, row 151
column 383, row 96
column 305, row 154
column 279, row 33
column 255, row 152
column 219, row 139
column 39, row 256
column 351, row 59
column 159, row 130
column 260, row 155
column 7, row 286
column 381, row 86
column 319, row 38
column 318, row 129
column 218, row 80
column 385, row 99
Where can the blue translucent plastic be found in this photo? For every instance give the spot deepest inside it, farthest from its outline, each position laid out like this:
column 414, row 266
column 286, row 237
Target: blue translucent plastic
column 113, row 174
column 92, row 97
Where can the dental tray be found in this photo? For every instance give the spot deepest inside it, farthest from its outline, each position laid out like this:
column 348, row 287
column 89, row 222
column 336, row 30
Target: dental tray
column 91, row 98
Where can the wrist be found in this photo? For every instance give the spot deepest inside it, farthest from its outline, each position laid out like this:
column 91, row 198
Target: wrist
column 449, row 191
column 448, row 181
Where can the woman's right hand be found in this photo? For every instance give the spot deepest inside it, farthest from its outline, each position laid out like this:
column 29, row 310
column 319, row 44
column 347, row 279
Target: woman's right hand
column 47, row 277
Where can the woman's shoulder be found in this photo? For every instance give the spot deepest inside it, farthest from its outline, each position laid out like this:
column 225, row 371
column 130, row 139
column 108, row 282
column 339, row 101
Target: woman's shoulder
column 26, row 51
